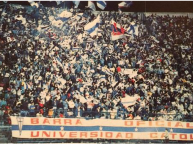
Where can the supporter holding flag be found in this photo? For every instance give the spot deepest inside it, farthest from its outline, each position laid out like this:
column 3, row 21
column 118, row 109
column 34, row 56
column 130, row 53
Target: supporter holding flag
column 58, row 2
column 130, row 100
column 117, row 31
column 76, row 4
column 64, row 16
column 92, row 27
column 59, row 61
column 34, row 4
column 125, row 4
column 133, row 29
column 91, row 5
column 77, row 17
column 64, row 63
column 101, row 4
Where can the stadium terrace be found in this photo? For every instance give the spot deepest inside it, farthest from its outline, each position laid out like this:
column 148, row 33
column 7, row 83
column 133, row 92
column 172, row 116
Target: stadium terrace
column 82, row 73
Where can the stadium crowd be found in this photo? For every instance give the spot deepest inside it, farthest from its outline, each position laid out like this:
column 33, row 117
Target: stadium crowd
column 53, row 68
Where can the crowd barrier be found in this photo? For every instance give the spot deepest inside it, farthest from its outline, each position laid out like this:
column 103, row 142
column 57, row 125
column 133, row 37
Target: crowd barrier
column 100, row 130
column 81, row 128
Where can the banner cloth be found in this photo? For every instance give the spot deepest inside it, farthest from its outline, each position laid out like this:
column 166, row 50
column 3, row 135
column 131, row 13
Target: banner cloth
column 33, row 127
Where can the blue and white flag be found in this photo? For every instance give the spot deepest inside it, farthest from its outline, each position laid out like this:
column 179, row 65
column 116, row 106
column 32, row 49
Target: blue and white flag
column 76, row 19
column 32, row 3
column 25, row 86
column 77, row 48
column 107, row 71
column 133, row 29
column 125, row 4
column 101, row 4
column 91, row 5
column 59, row 61
column 76, row 4
column 129, row 101
column 64, row 16
column 92, row 27
column 78, row 16
column 58, row 2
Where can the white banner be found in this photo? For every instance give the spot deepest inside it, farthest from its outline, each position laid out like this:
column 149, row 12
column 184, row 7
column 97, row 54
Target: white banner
column 26, row 127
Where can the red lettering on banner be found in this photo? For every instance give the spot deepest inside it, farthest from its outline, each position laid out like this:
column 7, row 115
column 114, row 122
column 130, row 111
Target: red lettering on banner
column 179, row 124
column 128, row 123
column 45, row 133
column 78, row 122
column 36, row 135
column 191, row 137
column 188, row 125
column 83, row 134
column 140, row 122
column 62, row 135
column 183, row 136
column 158, row 123
column 173, row 135
column 119, row 135
column 153, row 135
column 73, row 134
column 46, row 121
column 169, row 124
column 129, row 135
column 57, row 121
column 67, row 121
column 109, row 134
column 93, row 134
column 34, row 121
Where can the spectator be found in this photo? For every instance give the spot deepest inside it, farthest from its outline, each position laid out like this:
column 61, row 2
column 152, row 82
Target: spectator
column 58, row 70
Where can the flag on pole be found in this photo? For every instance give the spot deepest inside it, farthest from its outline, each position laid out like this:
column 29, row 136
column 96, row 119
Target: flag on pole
column 32, row 3
column 129, row 101
column 76, row 18
column 117, row 31
column 101, row 4
column 79, row 16
column 76, row 3
column 58, row 2
column 133, row 29
column 65, row 15
column 91, row 5
column 125, row 4
column 59, row 61
column 92, row 27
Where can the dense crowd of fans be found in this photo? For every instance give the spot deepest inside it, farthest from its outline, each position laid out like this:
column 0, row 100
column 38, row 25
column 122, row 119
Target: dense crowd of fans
column 52, row 68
